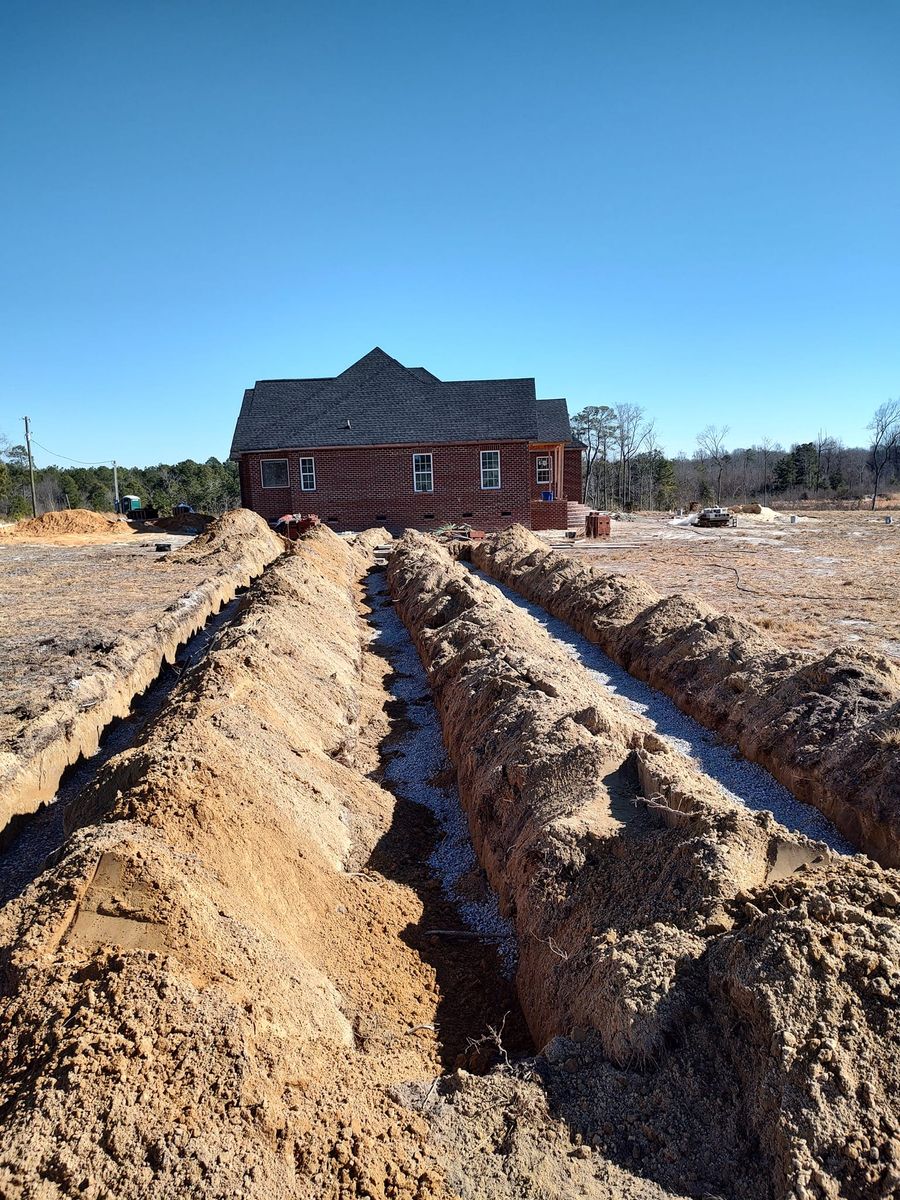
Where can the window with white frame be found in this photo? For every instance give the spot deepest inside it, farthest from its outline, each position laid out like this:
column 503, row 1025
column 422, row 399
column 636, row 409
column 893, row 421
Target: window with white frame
column 544, row 472
column 307, row 474
column 275, row 472
column 423, row 473
column 490, row 469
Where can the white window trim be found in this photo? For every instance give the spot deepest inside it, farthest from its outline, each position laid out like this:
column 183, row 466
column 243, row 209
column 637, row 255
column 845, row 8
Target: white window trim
column 262, row 474
column 490, row 487
column 307, row 459
column 416, row 488
column 537, row 469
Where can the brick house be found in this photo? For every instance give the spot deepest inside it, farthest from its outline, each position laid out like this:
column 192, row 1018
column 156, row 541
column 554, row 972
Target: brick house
column 384, row 444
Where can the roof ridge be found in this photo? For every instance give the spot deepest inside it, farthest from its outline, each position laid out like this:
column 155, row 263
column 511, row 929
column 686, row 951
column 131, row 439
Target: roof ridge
column 296, row 379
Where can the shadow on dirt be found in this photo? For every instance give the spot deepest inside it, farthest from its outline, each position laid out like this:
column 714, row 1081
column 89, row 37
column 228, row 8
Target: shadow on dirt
column 475, row 983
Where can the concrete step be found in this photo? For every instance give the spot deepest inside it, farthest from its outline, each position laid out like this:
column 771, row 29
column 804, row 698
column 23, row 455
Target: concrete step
column 576, row 514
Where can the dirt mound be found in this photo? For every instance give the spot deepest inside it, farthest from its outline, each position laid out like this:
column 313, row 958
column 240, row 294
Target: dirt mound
column 748, row 969
column 821, row 726
column 227, row 537
column 759, row 512
column 182, row 523
column 69, row 520
column 370, row 538
column 178, row 1010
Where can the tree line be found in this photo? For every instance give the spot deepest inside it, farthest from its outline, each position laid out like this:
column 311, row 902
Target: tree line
column 211, row 486
column 624, row 466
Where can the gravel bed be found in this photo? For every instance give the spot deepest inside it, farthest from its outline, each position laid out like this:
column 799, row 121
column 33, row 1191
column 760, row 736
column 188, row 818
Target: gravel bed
column 419, row 760
column 740, row 780
column 40, row 833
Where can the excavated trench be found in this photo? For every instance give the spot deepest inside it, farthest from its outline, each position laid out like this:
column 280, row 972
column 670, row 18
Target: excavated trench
column 418, row 771
column 666, row 931
column 461, row 934
column 269, row 961
column 743, row 781
column 28, row 840
column 824, row 727
column 235, row 549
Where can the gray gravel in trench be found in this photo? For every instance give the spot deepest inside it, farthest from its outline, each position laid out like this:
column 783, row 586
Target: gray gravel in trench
column 419, row 761
column 740, row 780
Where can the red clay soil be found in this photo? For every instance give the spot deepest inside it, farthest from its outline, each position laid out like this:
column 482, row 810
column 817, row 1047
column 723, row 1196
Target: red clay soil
column 749, row 971
column 825, row 727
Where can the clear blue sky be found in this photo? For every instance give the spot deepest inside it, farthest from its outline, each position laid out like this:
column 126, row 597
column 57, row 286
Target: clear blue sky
column 692, row 206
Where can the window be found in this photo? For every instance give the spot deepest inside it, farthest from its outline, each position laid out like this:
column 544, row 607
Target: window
column 543, row 468
column 423, row 475
column 275, row 472
column 490, row 468
column 307, row 474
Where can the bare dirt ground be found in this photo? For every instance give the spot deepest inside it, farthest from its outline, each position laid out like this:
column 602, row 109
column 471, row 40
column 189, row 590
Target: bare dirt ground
column 63, row 606
column 242, row 974
column 830, row 580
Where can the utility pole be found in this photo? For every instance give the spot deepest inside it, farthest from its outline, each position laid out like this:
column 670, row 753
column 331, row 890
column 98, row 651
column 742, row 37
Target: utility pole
column 30, row 466
column 116, row 484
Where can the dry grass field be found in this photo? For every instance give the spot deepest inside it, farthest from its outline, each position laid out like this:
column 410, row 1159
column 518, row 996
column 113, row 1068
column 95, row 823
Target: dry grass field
column 831, row 579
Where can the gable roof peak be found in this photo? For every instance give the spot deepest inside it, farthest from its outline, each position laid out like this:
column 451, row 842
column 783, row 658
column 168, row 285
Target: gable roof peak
column 376, row 357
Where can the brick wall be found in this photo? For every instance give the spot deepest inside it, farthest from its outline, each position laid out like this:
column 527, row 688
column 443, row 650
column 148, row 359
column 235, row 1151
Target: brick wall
column 549, row 514
column 364, row 486
column 572, row 473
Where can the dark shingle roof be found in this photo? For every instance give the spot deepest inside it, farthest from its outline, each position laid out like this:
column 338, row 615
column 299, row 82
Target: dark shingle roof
column 553, row 421
column 386, row 402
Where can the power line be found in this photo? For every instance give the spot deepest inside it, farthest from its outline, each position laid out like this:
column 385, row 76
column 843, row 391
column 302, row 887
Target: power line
column 104, row 462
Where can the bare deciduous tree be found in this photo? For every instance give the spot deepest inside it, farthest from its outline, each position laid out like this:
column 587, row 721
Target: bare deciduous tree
column 885, row 427
column 711, row 444
column 632, row 433
column 596, row 427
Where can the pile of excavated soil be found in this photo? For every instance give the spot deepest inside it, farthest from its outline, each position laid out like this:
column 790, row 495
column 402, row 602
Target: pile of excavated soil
column 824, row 727
column 68, row 520
column 182, row 523
column 171, row 1024
column 224, row 982
column 759, row 511
column 370, row 538
column 750, row 972
column 225, row 537
column 67, row 722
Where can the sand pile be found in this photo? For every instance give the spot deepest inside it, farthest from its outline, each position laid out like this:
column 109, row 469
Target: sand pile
column 69, row 520
column 370, row 538
column 227, row 538
column 748, row 969
column 759, row 512
column 823, row 726
column 182, row 522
